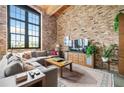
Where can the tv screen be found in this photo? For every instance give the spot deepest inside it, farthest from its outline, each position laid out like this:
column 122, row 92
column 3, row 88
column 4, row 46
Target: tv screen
column 76, row 43
column 80, row 43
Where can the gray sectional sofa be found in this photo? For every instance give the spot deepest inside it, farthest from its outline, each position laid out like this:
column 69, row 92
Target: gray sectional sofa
column 12, row 64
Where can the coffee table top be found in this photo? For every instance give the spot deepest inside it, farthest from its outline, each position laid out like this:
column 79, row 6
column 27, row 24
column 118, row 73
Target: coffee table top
column 60, row 64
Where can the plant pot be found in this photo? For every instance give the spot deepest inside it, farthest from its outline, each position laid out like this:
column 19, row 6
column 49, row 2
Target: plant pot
column 104, row 59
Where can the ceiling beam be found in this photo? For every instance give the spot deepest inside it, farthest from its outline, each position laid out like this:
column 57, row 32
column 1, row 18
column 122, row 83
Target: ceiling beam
column 52, row 10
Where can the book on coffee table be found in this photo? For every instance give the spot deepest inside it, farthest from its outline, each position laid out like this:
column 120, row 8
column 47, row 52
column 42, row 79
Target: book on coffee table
column 57, row 59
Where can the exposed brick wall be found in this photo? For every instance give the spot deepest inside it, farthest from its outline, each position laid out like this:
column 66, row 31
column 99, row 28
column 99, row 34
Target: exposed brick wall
column 92, row 22
column 49, row 32
column 3, row 34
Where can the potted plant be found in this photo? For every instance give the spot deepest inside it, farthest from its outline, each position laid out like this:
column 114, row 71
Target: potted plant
column 107, row 52
column 90, row 50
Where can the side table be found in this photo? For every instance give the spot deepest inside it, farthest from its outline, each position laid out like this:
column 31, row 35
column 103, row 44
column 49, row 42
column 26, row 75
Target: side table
column 31, row 81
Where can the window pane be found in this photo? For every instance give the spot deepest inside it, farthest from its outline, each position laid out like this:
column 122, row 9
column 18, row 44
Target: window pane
column 18, row 10
column 21, row 44
column 37, row 33
column 18, row 37
column 12, row 22
column 30, row 41
column 22, row 17
column 18, row 24
column 33, row 30
column 13, row 38
column 37, row 39
column 12, row 44
column 12, row 8
column 12, row 11
column 33, row 41
column 30, row 17
column 33, row 18
column 18, row 30
column 30, row 32
column 37, row 19
column 30, row 27
column 18, row 16
column 22, row 38
column 12, row 29
column 22, row 28
column 22, row 14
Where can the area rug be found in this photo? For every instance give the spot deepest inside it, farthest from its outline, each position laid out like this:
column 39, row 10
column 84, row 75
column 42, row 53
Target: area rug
column 85, row 77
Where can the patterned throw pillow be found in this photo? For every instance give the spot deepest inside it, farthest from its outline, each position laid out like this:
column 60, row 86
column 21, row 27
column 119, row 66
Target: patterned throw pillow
column 27, row 55
column 9, row 55
column 53, row 52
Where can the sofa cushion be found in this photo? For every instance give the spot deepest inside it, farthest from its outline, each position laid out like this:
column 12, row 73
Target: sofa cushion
column 33, row 54
column 13, row 68
column 28, row 67
column 37, row 59
column 42, row 68
column 34, row 64
column 41, row 53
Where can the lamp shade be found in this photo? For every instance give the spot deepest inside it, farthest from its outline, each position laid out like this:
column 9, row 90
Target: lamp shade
column 57, row 45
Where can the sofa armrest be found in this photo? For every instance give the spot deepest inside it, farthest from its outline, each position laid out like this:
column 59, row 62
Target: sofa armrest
column 51, row 76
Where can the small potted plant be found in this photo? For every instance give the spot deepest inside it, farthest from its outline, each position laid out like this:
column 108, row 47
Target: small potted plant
column 90, row 51
column 107, row 52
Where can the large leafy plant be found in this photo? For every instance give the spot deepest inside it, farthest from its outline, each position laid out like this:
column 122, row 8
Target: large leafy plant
column 107, row 51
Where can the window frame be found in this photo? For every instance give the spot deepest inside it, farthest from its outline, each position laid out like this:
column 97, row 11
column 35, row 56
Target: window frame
column 26, row 41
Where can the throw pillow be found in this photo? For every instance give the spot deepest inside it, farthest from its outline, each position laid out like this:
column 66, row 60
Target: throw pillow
column 9, row 55
column 53, row 52
column 41, row 53
column 14, row 58
column 27, row 55
column 13, row 68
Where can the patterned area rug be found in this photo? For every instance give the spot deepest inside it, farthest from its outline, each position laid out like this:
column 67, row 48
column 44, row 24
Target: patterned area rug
column 85, row 77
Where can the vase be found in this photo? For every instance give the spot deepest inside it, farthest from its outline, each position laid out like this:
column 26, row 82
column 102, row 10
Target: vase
column 104, row 59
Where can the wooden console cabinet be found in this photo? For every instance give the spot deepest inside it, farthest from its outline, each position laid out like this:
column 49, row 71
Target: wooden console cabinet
column 81, row 59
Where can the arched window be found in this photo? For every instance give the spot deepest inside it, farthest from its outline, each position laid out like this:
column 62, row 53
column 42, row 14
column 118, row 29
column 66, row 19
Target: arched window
column 24, row 25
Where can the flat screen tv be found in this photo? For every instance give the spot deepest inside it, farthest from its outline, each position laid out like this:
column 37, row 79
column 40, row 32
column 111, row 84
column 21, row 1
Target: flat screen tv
column 76, row 43
column 80, row 43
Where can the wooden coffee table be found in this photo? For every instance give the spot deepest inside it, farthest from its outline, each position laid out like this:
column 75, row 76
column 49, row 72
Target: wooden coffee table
column 60, row 64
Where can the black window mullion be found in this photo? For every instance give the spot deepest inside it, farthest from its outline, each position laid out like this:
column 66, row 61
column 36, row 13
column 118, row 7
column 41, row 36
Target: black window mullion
column 9, row 36
column 26, row 31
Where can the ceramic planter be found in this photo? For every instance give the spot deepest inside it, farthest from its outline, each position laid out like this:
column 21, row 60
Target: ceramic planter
column 104, row 59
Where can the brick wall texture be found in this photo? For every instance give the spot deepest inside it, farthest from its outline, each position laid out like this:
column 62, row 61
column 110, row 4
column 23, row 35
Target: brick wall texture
column 49, row 34
column 3, row 34
column 92, row 22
